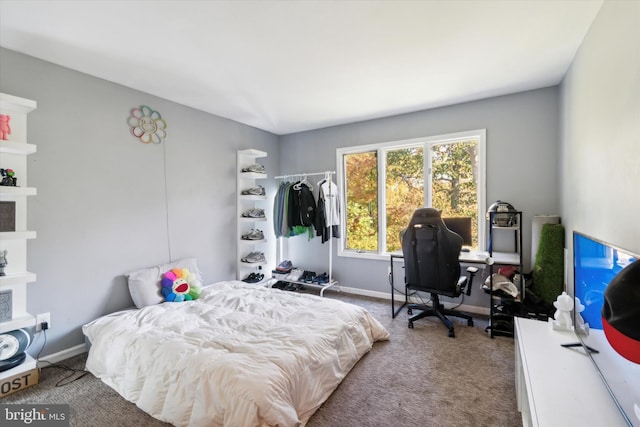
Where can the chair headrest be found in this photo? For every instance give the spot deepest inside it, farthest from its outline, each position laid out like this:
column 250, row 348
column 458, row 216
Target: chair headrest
column 426, row 216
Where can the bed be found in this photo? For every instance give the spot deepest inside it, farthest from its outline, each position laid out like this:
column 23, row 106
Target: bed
column 239, row 355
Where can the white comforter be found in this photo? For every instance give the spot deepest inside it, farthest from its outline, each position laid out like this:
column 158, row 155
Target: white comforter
column 239, row 356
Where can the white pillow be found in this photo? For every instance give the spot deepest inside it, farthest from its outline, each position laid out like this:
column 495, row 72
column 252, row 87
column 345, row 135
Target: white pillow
column 144, row 285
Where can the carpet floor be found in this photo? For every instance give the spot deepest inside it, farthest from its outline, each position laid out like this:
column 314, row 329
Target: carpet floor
column 419, row 377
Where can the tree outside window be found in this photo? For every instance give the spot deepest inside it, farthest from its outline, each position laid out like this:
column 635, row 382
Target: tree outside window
column 384, row 184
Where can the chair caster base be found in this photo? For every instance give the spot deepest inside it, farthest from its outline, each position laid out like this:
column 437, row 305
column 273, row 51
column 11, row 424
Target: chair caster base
column 452, row 333
column 470, row 322
column 410, row 324
column 409, row 311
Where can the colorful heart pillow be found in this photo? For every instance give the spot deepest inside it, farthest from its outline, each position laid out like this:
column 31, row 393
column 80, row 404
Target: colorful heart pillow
column 178, row 284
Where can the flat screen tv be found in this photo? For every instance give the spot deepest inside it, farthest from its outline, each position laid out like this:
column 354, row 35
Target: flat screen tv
column 595, row 264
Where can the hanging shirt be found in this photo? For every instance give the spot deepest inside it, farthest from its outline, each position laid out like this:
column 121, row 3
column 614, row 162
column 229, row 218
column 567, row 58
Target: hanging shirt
column 331, row 199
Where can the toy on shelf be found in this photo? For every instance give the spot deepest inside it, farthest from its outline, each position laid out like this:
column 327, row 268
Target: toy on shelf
column 5, row 128
column 8, row 178
column 562, row 317
column 581, row 326
column 3, row 262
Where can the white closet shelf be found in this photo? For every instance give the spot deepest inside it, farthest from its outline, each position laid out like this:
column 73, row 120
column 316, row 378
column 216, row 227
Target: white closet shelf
column 6, row 190
column 252, row 197
column 17, row 147
column 253, row 175
column 252, row 152
column 16, row 278
column 249, row 219
column 17, row 235
column 250, row 242
column 24, row 320
column 16, row 104
column 252, row 264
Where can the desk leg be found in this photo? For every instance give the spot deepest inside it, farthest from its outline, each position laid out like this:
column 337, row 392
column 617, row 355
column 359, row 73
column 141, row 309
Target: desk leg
column 395, row 312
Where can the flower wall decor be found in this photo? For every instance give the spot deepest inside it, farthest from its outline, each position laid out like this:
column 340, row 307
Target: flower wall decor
column 147, row 125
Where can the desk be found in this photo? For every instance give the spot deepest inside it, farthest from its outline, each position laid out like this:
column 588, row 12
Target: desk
column 471, row 257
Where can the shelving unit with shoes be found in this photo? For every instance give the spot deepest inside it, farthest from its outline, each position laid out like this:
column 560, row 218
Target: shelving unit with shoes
column 289, row 278
column 251, row 217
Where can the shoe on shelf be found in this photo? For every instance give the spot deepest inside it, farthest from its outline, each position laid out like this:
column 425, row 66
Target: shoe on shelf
column 254, row 278
column 295, row 275
column 256, row 167
column 253, row 235
column 254, row 191
column 251, row 278
column 285, row 266
column 321, row 279
column 253, row 213
column 279, row 285
column 309, row 277
column 254, row 257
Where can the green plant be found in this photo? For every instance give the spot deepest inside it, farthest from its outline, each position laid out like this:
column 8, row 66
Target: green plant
column 548, row 272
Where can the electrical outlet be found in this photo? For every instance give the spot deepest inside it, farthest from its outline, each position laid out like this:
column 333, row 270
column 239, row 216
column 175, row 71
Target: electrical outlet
column 42, row 318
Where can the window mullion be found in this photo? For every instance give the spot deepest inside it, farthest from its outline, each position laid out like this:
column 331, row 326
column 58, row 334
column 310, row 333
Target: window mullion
column 428, row 179
column 382, row 201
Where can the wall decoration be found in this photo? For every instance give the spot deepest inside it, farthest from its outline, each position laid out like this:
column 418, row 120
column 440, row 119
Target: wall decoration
column 147, row 125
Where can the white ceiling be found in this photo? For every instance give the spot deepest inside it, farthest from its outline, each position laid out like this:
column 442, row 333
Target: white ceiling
column 289, row 66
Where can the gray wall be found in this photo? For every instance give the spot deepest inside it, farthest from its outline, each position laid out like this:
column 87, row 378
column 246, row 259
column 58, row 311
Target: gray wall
column 102, row 209
column 522, row 133
column 600, row 131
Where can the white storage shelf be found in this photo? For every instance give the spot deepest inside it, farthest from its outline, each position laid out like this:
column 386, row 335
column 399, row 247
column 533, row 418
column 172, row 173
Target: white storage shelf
column 14, row 152
column 246, row 180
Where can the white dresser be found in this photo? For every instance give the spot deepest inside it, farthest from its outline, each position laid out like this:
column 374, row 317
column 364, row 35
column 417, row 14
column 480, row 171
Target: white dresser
column 558, row 386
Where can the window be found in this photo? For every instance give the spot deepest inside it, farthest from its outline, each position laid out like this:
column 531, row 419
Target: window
column 382, row 184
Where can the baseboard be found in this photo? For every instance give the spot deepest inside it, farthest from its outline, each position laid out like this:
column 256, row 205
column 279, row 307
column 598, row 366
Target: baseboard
column 399, row 297
column 64, row 354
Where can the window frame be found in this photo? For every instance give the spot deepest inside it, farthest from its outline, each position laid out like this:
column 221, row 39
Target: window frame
column 380, row 149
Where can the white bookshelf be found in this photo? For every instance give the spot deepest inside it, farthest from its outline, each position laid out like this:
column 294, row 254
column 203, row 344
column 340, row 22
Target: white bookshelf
column 13, row 155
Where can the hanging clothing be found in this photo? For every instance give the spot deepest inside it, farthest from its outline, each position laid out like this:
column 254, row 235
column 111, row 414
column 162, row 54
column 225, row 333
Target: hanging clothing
column 280, row 226
column 327, row 221
column 294, row 209
column 331, row 199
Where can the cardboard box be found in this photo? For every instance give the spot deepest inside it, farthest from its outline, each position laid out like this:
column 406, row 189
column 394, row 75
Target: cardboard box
column 19, row 382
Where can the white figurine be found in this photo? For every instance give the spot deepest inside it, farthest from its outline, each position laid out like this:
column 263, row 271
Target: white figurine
column 3, row 262
column 562, row 317
column 581, row 326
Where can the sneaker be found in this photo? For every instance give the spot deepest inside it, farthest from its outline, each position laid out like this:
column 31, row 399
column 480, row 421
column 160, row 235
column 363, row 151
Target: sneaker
column 251, row 278
column 257, row 167
column 308, row 276
column 254, row 257
column 295, row 275
column 253, row 213
column 253, row 235
column 254, row 191
column 321, row 279
column 285, row 266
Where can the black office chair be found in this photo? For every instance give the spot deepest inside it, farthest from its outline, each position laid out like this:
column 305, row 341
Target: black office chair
column 431, row 263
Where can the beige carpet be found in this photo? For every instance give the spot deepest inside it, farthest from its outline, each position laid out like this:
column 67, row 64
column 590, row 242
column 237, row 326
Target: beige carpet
column 421, row 377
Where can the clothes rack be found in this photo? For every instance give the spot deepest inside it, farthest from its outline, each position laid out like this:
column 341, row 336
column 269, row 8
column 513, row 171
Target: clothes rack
column 331, row 282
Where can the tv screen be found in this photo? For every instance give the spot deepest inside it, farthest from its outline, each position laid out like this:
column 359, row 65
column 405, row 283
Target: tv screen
column 595, row 264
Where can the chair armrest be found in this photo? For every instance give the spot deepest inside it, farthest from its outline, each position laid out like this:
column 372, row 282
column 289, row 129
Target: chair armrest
column 471, row 272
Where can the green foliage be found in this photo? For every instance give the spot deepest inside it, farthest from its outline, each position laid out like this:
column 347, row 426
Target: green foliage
column 454, row 190
column 548, row 272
